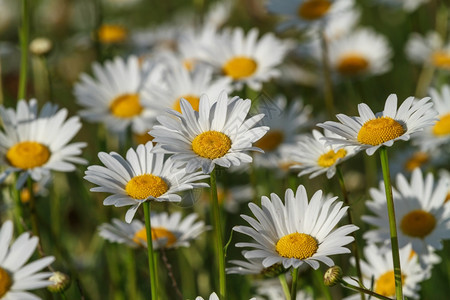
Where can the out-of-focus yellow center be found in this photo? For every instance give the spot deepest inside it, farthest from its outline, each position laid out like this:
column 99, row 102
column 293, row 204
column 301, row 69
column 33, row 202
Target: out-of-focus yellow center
column 416, row 160
column 5, row 282
column 188, row 64
column 385, row 285
column 211, row 144
column 271, row 140
column 140, row 237
column 126, row 106
column 328, row 159
column 442, row 127
column 418, row 223
column 192, row 99
column 313, row 9
column 240, row 67
column 109, row 34
column 28, row 155
column 352, row 64
column 143, row 186
column 297, row 245
column 377, row 131
column 142, row 138
column 447, row 198
column 441, row 59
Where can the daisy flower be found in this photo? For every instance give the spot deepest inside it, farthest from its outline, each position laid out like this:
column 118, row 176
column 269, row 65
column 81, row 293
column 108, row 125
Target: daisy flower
column 438, row 135
column 420, row 208
column 370, row 131
column 314, row 156
column 168, row 231
column 15, row 277
column 254, row 266
column 379, row 268
column 218, row 134
column 428, row 50
column 142, row 176
column 114, row 95
column 34, row 143
column 247, row 59
column 297, row 232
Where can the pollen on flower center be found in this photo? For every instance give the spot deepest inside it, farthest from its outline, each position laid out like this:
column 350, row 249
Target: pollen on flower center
column 193, row 100
column 297, row 245
column 441, row 59
column 27, row 155
column 442, row 127
column 418, row 223
column 416, row 160
column 5, row 282
column 211, row 144
column 313, row 9
column 377, row 131
column 108, row 34
column 271, row 140
column 240, row 67
column 328, row 159
column 126, row 106
column 143, row 186
column 385, row 284
column 157, row 233
column 352, row 64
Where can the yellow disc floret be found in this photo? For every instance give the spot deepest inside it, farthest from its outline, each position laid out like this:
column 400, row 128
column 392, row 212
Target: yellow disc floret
column 417, row 160
column 126, row 106
column 313, row 9
column 297, row 245
column 441, row 59
column 240, row 67
column 5, row 282
column 352, row 64
column 211, row 144
column 328, row 159
column 193, row 100
column 109, row 34
column 442, row 127
column 271, row 140
column 140, row 237
column 28, row 155
column 385, row 285
column 377, row 131
column 143, row 186
column 418, row 223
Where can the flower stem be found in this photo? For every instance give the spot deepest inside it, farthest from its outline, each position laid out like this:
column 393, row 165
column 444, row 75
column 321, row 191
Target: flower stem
column 34, row 217
column 350, row 221
column 392, row 223
column 131, row 274
column 18, row 207
column 24, row 33
column 151, row 258
column 285, row 286
column 328, row 87
column 294, row 284
column 363, row 290
column 217, row 223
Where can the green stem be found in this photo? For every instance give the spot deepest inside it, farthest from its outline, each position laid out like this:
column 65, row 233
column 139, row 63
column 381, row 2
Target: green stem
column 131, row 274
column 285, row 286
column 425, row 78
column 318, row 277
column 151, row 257
column 350, row 221
column 24, row 36
column 217, row 223
column 328, row 88
column 363, row 290
column 18, row 207
column 34, row 217
column 392, row 223
column 294, row 284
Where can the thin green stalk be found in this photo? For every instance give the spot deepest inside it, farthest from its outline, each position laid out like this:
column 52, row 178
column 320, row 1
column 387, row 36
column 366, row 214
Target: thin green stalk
column 285, row 286
column 294, row 283
column 363, row 290
column 217, row 224
column 392, row 223
column 34, row 217
column 24, row 33
column 18, row 207
column 63, row 296
column 131, row 275
column 151, row 259
column 328, row 88
column 350, row 221
column 318, row 277
column 425, row 78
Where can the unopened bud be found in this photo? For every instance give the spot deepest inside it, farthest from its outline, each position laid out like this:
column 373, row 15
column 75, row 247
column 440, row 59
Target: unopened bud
column 332, row 276
column 41, row 46
column 60, row 282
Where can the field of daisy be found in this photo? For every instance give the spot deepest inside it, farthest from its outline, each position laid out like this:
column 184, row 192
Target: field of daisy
column 170, row 150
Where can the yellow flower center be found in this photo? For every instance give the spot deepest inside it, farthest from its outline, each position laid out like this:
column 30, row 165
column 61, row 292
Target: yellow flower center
column 328, row 159
column 143, row 186
column 188, row 64
column 418, row 223
column 271, row 140
column 211, row 144
column 442, row 127
column 108, row 34
column 352, row 64
column 142, row 138
column 126, row 106
column 416, row 160
column 447, row 198
column 441, row 59
column 5, row 282
column 193, row 100
column 377, row 131
column 313, row 9
column 28, row 155
column 140, row 237
column 297, row 245
column 240, row 67
column 385, row 284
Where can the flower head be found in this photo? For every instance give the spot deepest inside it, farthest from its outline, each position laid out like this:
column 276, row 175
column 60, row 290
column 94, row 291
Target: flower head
column 429, row 50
